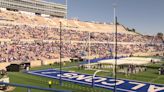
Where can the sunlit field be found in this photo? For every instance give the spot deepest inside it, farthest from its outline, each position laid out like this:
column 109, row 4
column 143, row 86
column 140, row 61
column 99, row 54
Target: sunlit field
column 150, row 76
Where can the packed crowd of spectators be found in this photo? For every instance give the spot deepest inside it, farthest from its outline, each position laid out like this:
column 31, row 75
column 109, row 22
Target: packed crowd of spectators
column 39, row 50
column 46, row 33
column 45, row 43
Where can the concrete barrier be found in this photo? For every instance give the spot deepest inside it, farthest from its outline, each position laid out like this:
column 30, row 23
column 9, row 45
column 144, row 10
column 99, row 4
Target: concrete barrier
column 3, row 65
column 35, row 63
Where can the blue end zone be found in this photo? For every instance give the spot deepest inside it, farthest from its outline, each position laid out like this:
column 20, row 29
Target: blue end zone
column 104, row 82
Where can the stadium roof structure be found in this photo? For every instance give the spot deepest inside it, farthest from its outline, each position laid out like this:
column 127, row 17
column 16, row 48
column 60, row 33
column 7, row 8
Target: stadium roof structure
column 36, row 6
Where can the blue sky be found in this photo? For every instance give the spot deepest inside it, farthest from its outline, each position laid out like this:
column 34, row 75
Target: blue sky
column 146, row 16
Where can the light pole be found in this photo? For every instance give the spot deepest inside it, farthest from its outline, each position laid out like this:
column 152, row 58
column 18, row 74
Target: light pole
column 89, row 50
column 115, row 88
column 66, row 3
column 60, row 54
column 115, row 47
column 114, row 15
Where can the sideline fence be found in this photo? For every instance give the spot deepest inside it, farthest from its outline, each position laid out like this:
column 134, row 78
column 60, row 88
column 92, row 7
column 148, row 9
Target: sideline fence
column 32, row 87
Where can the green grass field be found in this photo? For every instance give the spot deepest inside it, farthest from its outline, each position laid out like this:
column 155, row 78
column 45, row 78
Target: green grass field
column 151, row 76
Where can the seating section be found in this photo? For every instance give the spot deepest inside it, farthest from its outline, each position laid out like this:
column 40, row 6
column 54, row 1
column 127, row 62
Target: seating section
column 26, row 37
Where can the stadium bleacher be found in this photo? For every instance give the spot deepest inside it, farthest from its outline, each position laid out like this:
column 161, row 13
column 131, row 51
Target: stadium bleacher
column 31, row 37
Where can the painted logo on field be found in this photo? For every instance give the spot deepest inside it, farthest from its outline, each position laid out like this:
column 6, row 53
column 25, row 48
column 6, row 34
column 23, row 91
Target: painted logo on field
column 108, row 83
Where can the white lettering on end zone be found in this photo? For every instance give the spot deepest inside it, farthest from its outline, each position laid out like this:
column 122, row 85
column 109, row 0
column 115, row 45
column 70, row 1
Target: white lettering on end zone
column 110, row 82
column 138, row 85
column 48, row 72
column 122, row 84
column 99, row 79
column 118, row 82
column 153, row 88
column 74, row 75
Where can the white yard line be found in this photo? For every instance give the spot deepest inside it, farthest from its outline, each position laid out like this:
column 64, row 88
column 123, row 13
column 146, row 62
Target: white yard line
column 155, row 79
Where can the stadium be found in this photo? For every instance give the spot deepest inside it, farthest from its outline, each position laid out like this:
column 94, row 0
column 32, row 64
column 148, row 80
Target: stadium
column 38, row 44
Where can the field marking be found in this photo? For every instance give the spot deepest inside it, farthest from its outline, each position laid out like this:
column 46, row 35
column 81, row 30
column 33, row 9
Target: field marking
column 100, row 76
column 98, row 85
column 155, row 79
column 83, row 82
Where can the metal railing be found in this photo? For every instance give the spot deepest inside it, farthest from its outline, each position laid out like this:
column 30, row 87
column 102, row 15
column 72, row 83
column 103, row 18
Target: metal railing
column 33, row 87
